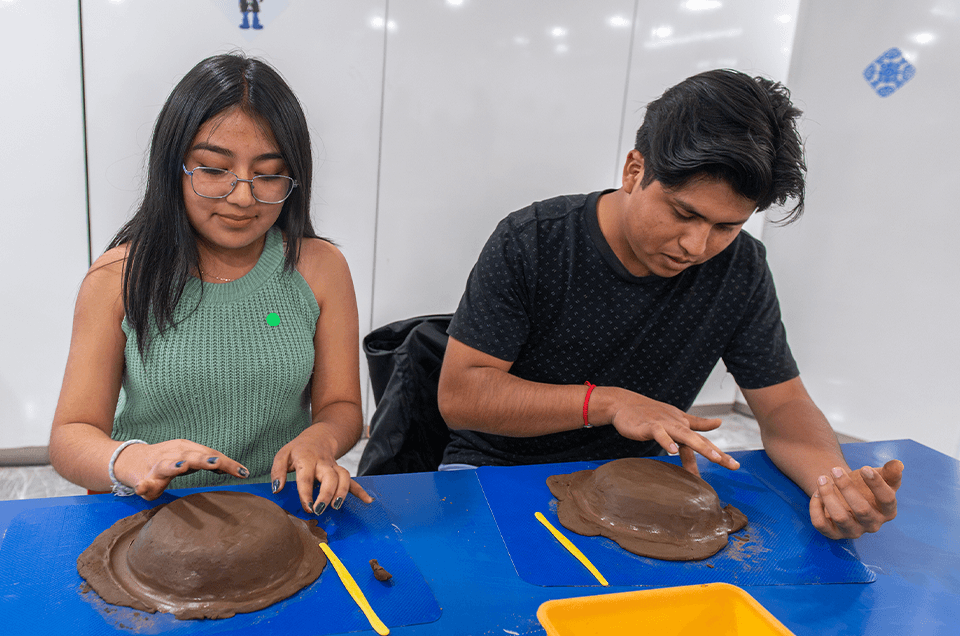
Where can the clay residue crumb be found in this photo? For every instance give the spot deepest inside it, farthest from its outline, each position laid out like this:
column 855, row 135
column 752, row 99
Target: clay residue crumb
column 378, row 572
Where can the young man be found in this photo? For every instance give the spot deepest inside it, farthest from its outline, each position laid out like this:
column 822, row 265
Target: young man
column 640, row 291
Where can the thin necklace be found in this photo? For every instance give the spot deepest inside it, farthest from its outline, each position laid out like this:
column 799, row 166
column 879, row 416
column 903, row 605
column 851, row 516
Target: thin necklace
column 224, row 280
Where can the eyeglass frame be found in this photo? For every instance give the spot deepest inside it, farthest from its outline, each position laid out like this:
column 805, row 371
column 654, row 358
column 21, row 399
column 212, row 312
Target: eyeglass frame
column 237, row 180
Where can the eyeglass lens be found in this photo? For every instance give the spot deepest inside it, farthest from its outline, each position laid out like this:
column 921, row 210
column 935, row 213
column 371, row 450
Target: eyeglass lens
column 216, row 183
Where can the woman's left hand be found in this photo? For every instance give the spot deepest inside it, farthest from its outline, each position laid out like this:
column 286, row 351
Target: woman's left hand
column 306, row 457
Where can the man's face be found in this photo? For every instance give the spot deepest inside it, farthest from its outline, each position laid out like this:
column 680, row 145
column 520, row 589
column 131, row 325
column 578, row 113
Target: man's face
column 663, row 232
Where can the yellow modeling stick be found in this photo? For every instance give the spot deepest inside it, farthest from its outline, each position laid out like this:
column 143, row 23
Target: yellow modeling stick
column 355, row 592
column 571, row 548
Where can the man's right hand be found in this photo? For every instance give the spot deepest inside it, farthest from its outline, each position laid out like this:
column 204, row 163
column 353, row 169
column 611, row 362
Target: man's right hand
column 641, row 418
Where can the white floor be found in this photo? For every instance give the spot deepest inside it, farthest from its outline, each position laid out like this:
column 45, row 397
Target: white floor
column 737, row 432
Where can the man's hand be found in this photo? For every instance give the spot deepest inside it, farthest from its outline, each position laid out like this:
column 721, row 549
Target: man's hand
column 642, row 419
column 848, row 504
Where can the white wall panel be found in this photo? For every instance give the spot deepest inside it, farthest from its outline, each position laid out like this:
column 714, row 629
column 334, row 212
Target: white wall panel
column 43, row 245
column 675, row 39
column 869, row 277
column 489, row 106
column 331, row 54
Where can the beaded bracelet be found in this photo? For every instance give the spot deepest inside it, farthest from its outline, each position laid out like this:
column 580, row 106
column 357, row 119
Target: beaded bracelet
column 586, row 404
column 121, row 490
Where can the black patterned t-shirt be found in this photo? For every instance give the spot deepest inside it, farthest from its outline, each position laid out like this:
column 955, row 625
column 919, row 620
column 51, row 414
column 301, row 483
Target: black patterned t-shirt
column 549, row 294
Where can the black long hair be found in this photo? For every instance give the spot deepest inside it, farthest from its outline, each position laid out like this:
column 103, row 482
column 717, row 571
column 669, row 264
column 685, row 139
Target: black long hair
column 727, row 125
column 162, row 245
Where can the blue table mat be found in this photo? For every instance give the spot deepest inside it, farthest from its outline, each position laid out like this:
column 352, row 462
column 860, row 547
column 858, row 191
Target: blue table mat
column 778, row 546
column 40, row 590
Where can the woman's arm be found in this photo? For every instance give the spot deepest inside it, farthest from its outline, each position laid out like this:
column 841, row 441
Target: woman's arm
column 80, row 443
column 335, row 386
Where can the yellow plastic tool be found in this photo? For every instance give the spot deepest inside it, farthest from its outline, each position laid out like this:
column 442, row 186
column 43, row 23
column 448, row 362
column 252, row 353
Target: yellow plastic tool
column 571, row 548
column 355, row 592
column 718, row 609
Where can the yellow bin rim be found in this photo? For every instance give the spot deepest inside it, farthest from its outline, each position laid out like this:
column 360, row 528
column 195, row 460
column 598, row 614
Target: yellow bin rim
column 710, row 608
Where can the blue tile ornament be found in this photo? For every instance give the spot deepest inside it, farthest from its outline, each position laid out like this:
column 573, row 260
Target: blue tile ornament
column 889, row 72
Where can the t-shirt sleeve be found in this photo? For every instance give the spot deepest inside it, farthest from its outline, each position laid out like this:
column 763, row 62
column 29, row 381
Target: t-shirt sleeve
column 758, row 355
column 494, row 312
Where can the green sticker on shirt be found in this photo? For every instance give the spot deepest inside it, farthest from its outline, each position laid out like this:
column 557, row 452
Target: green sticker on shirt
column 273, row 319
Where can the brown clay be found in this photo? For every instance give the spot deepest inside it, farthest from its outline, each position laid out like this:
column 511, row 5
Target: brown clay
column 205, row 555
column 378, row 572
column 649, row 507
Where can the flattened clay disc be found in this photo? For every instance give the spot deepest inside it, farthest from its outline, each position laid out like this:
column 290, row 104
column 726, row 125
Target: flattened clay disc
column 649, row 507
column 205, row 555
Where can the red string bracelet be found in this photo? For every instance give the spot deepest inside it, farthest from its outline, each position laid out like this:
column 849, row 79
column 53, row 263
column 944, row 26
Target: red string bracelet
column 586, row 404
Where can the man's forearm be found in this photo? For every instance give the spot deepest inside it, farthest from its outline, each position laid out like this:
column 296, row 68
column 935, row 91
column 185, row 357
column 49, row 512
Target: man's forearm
column 493, row 401
column 800, row 442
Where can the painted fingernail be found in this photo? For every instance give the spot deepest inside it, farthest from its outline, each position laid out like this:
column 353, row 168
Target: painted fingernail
column 837, row 473
column 243, row 472
column 212, row 460
column 179, row 464
column 276, row 485
column 318, row 510
column 822, row 480
column 337, row 503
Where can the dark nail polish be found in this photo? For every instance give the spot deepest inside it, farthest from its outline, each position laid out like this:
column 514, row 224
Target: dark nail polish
column 276, row 485
column 179, row 464
column 244, row 472
column 337, row 503
column 320, row 508
column 212, row 460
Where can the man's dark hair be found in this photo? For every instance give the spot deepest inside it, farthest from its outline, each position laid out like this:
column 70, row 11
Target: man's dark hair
column 725, row 124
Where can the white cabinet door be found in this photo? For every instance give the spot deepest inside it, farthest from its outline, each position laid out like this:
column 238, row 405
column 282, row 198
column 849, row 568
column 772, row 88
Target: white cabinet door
column 43, row 243
column 868, row 278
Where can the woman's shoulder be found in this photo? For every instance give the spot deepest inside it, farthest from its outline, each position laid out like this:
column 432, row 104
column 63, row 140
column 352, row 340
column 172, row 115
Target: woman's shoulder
column 320, row 256
column 103, row 283
column 323, row 266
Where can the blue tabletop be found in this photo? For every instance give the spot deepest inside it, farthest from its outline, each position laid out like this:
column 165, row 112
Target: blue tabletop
column 446, row 526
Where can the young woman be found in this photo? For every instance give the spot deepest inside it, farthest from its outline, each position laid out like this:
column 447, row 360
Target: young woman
column 217, row 338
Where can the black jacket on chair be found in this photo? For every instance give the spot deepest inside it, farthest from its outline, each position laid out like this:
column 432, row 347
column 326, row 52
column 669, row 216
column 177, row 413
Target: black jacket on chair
column 407, row 434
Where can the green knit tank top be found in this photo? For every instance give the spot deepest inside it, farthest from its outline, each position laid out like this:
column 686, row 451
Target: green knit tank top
column 232, row 375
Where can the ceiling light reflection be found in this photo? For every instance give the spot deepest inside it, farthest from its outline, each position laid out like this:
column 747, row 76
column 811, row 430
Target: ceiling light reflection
column 455, row 3
column 784, row 19
column 558, row 32
column 689, row 39
column 663, row 32
column 924, row 38
column 702, row 5
column 618, row 21
column 378, row 23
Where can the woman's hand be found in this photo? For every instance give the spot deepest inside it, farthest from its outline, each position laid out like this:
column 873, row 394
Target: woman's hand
column 305, row 456
column 149, row 468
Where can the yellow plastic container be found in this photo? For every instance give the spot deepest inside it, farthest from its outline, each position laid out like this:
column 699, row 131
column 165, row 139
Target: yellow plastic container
column 714, row 609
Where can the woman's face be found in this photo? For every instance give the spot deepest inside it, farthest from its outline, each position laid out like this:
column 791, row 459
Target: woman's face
column 232, row 141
